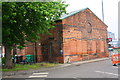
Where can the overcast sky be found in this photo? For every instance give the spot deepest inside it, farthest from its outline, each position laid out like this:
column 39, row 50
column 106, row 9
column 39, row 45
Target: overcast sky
column 110, row 11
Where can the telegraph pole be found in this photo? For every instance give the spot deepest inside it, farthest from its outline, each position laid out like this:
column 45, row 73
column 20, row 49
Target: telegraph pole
column 102, row 11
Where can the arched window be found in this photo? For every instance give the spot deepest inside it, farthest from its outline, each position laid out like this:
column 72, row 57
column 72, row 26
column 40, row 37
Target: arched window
column 89, row 27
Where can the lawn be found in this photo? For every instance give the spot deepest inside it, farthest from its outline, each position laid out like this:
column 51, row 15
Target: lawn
column 19, row 67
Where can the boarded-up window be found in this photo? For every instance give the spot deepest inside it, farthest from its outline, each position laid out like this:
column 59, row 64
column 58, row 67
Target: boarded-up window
column 102, row 46
column 84, row 46
column 73, row 46
column 79, row 47
column 94, row 46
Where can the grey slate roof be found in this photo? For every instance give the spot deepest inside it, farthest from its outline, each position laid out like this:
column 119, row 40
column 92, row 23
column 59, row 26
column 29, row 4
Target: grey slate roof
column 71, row 13
column 75, row 12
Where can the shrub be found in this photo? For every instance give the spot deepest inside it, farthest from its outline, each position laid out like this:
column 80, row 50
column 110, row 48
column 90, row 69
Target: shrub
column 3, row 60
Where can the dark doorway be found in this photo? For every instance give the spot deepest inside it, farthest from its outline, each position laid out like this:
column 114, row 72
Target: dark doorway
column 47, row 51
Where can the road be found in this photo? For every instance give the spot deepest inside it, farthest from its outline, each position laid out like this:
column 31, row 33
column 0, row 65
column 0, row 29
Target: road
column 101, row 69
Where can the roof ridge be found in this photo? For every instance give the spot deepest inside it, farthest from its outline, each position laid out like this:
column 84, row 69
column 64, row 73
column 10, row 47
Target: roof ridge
column 77, row 11
column 72, row 13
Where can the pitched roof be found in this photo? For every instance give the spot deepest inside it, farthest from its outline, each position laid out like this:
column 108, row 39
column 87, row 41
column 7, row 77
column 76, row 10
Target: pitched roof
column 75, row 12
column 71, row 13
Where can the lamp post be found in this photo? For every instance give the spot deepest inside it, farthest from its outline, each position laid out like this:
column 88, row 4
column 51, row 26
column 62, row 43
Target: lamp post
column 102, row 11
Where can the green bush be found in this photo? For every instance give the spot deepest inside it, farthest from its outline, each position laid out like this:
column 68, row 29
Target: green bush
column 3, row 60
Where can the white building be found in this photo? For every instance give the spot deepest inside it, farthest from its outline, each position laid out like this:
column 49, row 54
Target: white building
column 111, row 35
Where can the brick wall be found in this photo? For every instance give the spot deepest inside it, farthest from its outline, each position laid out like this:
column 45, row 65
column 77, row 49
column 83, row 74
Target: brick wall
column 84, row 37
column 30, row 50
column 52, row 44
column 81, row 36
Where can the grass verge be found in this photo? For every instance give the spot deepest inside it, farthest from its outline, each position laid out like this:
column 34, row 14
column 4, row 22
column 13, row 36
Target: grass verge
column 19, row 67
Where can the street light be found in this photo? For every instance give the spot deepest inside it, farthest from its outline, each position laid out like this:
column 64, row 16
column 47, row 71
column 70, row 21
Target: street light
column 102, row 11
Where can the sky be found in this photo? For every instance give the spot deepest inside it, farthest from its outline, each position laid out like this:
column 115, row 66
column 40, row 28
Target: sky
column 110, row 11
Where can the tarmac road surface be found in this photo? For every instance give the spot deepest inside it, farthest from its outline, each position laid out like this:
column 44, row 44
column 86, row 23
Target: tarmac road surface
column 100, row 69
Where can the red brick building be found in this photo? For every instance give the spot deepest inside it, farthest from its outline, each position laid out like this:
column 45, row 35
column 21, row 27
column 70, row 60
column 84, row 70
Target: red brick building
column 78, row 36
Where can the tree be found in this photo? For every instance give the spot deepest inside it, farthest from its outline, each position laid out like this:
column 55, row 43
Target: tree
column 24, row 21
column 0, row 23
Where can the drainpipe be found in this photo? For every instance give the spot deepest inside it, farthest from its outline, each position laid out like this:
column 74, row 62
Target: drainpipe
column 51, row 52
column 35, row 52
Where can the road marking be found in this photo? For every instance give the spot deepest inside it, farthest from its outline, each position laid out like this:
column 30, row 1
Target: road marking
column 107, row 73
column 115, row 67
column 74, row 77
column 39, row 75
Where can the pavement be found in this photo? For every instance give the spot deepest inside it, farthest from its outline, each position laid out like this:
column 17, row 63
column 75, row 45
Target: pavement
column 27, row 72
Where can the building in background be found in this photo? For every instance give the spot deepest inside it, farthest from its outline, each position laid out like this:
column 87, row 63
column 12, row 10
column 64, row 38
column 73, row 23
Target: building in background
column 111, row 35
column 115, row 44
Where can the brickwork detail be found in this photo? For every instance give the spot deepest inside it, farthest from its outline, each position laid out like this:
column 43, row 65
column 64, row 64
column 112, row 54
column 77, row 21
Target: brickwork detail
column 84, row 34
column 81, row 36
